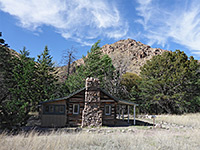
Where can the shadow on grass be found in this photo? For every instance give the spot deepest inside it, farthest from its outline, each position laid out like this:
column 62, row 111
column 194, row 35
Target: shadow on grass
column 48, row 130
column 124, row 123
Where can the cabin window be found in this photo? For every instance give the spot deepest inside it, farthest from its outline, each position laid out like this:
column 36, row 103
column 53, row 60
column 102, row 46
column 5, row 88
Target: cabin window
column 75, row 108
column 51, row 109
column 59, row 109
column 46, row 109
column 54, row 109
column 62, row 109
column 107, row 109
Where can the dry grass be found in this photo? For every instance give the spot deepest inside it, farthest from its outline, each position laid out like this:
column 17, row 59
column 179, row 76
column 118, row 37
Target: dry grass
column 192, row 120
column 142, row 138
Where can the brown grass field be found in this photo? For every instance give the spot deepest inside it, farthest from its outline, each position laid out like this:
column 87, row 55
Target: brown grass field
column 182, row 133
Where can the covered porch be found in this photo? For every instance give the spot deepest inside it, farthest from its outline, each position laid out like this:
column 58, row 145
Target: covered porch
column 126, row 112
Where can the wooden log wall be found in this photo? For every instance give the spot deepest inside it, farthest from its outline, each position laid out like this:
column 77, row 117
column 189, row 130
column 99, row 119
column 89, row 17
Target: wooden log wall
column 75, row 119
column 108, row 119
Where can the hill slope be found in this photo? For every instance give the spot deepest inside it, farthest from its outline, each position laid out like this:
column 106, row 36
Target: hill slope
column 127, row 56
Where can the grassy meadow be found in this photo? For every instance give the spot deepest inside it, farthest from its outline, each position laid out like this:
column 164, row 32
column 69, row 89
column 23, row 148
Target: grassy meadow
column 189, row 120
column 183, row 137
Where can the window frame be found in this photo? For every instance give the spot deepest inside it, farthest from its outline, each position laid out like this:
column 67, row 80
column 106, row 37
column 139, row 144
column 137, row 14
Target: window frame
column 59, row 109
column 54, row 109
column 78, row 109
column 110, row 110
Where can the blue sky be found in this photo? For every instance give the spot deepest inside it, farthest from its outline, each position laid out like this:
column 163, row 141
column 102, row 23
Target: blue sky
column 62, row 24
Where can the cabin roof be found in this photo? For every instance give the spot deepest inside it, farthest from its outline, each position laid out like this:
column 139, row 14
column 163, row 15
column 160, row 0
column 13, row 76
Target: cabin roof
column 120, row 101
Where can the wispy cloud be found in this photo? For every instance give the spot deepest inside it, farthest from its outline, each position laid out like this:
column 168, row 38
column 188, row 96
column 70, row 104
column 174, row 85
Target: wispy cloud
column 179, row 23
column 80, row 20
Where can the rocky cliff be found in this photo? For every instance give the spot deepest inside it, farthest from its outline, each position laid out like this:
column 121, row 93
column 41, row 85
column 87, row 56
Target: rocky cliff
column 129, row 55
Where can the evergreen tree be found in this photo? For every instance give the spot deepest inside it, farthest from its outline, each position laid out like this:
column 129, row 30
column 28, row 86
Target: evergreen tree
column 169, row 82
column 2, row 41
column 22, row 96
column 76, row 80
column 5, row 76
column 46, row 76
column 95, row 65
column 5, row 66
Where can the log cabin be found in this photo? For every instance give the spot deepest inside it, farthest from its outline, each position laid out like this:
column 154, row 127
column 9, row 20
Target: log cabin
column 90, row 106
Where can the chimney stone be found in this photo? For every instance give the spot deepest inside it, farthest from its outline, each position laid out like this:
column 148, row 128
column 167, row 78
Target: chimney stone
column 92, row 113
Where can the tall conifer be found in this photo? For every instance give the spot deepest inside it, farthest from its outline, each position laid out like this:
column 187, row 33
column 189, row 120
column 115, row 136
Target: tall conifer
column 96, row 64
column 46, row 76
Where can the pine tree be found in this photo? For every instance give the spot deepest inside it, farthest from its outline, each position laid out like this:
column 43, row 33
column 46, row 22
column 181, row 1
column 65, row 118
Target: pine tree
column 22, row 96
column 46, row 76
column 5, row 66
column 169, row 82
column 96, row 64
column 2, row 41
column 5, row 77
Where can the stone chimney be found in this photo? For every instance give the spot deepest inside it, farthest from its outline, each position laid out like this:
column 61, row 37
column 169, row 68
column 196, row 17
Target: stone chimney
column 92, row 114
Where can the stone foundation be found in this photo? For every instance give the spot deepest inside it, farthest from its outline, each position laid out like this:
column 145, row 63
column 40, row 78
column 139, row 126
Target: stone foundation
column 92, row 113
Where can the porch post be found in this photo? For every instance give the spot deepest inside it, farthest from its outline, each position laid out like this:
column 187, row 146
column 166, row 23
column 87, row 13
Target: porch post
column 134, row 116
column 123, row 113
column 128, row 114
column 119, row 111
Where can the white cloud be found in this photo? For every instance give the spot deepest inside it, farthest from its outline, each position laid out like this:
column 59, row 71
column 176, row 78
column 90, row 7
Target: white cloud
column 80, row 20
column 180, row 23
column 35, row 13
column 145, row 10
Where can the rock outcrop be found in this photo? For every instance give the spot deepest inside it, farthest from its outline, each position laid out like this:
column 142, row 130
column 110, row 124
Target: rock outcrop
column 129, row 55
